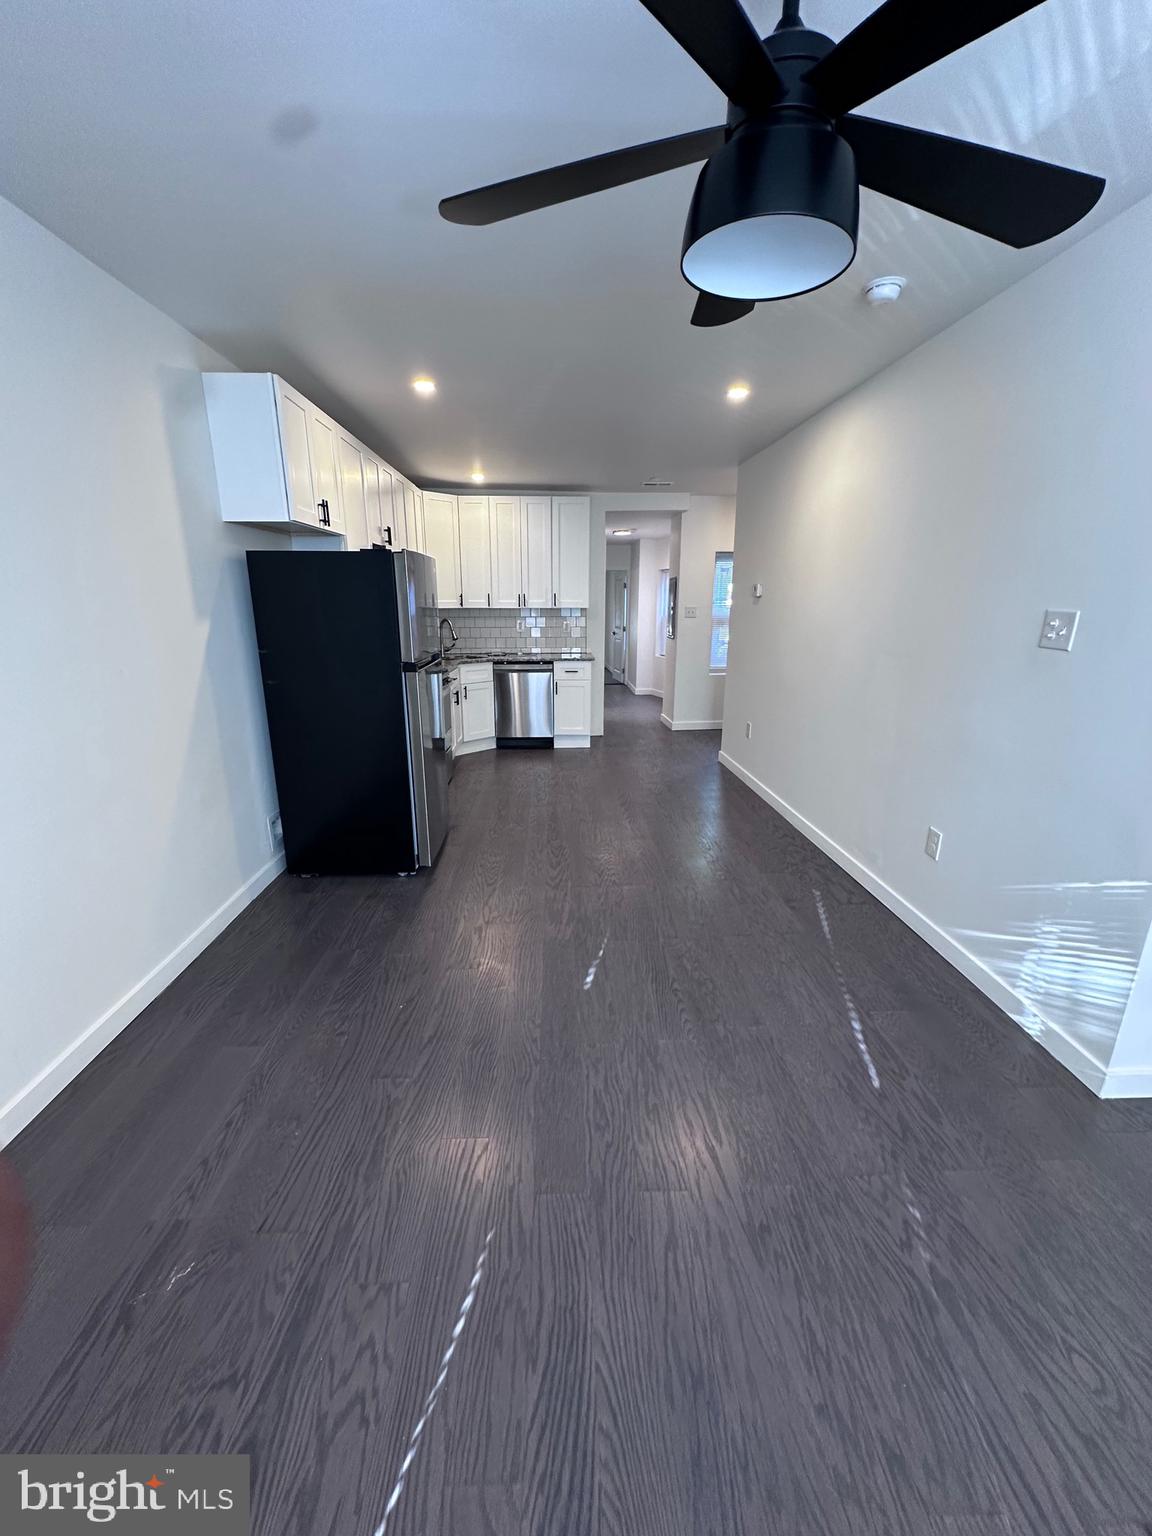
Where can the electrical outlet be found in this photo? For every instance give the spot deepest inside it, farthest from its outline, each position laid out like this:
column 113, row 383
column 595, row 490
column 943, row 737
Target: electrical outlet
column 932, row 845
column 689, row 613
column 747, row 730
column 1059, row 629
column 275, row 832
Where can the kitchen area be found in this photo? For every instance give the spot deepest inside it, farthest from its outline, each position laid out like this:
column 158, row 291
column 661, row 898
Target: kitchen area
column 459, row 626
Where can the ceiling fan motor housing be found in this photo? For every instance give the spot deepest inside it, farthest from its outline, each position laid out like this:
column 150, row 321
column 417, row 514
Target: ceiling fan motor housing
column 776, row 211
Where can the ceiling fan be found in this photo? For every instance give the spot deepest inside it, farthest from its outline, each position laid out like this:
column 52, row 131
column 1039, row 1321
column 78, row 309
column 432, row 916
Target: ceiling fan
column 776, row 207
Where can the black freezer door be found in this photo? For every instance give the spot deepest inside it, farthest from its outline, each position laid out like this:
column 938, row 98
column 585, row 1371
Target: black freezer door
column 328, row 633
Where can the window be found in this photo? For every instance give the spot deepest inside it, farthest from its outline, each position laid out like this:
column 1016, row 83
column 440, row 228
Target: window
column 721, row 608
column 662, row 615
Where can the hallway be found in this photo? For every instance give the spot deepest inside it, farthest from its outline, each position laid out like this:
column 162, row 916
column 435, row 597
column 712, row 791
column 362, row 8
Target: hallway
column 784, row 1228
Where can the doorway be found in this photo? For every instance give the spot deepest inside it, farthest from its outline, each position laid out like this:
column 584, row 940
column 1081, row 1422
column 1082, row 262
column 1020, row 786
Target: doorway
column 615, row 625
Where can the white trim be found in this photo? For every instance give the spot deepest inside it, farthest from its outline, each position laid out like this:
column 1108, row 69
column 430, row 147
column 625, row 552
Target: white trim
column 27, row 1103
column 1128, row 1083
column 691, row 725
column 559, row 742
column 644, row 693
column 1137, row 1082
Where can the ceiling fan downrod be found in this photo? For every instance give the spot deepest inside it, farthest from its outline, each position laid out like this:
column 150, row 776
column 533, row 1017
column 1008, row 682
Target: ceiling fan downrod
column 790, row 16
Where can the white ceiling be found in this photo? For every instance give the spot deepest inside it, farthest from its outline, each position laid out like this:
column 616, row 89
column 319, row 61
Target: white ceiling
column 268, row 173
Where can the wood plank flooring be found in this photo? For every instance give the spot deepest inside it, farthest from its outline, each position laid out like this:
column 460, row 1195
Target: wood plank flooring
column 754, row 1268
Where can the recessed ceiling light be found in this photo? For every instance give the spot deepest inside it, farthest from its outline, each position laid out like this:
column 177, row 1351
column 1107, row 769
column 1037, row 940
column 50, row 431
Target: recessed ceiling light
column 477, row 477
column 622, row 533
column 423, row 385
column 736, row 394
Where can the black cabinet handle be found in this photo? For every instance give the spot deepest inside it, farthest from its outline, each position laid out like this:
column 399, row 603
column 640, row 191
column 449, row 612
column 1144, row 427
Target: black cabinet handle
column 554, row 603
column 465, row 690
column 461, row 599
column 456, row 697
column 322, row 508
column 388, row 537
column 489, row 599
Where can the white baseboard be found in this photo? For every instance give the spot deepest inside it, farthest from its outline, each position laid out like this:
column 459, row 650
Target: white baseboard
column 644, row 693
column 560, row 742
column 1134, row 1083
column 691, row 725
column 26, row 1104
column 1128, row 1083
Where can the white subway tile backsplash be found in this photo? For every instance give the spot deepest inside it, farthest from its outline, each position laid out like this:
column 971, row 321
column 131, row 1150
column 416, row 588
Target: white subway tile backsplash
column 512, row 629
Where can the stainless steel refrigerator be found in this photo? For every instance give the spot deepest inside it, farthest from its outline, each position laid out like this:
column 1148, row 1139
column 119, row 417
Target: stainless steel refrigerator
column 350, row 660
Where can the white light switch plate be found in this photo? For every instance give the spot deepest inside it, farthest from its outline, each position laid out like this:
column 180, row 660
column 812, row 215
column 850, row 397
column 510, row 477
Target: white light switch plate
column 933, row 843
column 689, row 613
column 1059, row 629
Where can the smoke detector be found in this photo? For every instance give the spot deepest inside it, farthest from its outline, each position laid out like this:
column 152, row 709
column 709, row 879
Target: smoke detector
column 885, row 290
column 656, row 485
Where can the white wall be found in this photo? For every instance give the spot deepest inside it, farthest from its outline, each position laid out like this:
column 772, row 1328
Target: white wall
column 135, row 778
column 649, row 674
column 693, row 695
column 909, row 539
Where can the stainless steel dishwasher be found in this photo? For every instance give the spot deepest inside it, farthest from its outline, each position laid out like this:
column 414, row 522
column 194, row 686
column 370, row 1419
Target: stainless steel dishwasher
column 524, row 703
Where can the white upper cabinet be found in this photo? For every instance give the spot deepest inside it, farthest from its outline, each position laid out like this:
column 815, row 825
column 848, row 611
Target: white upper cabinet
column 322, row 440
column 413, row 517
column 536, row 550
column 353, row 501
column 440, row 541
column 571, row 549
column 293, row 413
column 507, row 559
column 378, row 498
column 259, row 430
column 475, row 552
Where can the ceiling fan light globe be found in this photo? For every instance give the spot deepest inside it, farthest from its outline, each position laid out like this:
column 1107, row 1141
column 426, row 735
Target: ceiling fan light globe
column 775, row 213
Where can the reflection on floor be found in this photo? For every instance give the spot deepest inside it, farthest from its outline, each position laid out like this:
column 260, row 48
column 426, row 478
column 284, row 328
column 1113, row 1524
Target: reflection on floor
column 769, row 1221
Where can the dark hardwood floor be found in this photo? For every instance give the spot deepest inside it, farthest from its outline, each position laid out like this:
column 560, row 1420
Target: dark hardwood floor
column 748, row 1266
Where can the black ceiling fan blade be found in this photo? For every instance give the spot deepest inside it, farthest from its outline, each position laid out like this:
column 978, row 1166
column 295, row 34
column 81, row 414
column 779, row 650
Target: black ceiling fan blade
column 1005, row 196
column 719, row 37
column 562, row 183
column 712, row 310
column 901, row 38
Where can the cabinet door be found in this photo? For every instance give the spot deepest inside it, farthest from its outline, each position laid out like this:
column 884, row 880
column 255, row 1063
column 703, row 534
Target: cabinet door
column 440, row 543
column 414, row 525
column 536, row 550
column 571, row 548
column 372, row 508
column 573, row 704
column 507, row 564
column 353, row 501
column 325, row 469
column 475, row 552
column 477, row 711
column 292, row 411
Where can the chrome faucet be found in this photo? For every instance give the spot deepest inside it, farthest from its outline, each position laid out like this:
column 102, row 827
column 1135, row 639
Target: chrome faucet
column 451, row 631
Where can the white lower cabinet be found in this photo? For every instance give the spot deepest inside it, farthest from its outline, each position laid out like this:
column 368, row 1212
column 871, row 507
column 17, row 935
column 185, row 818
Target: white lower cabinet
column 477, row 704
column 573, row 690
